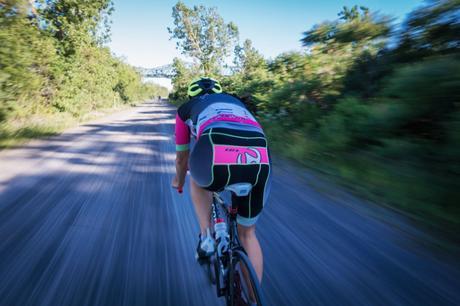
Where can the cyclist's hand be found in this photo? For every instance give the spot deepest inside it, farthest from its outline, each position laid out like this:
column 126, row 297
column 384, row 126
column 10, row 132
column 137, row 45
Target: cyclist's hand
column 175, row 184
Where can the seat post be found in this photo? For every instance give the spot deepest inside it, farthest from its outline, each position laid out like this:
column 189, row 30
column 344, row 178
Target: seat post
column 238, row 190
column 233, row 209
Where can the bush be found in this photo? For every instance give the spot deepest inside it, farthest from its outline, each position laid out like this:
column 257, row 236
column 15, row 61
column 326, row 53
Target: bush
column 26, row 54
column 52, row 65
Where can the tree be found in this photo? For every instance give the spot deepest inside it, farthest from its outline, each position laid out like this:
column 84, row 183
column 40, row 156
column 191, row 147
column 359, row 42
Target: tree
column 77, row 24
column 202, row 34
column 248, row 60
column 345, row 50
column 251, row 79
column 431, row 29
column 356, row 26
column 182, row 77
column 354, row 13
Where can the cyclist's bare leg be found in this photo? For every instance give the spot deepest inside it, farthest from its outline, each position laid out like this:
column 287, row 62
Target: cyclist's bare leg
column 202, row 200
column 251, row 244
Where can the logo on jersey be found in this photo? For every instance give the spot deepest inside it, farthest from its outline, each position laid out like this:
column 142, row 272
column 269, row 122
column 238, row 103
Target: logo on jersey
column 239, row 155
column 250, row 156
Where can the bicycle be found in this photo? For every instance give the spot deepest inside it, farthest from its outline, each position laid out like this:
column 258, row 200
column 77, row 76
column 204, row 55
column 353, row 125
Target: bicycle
column 233, row 274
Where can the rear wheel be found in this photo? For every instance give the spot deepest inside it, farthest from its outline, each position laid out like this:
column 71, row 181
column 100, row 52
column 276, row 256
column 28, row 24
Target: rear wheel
column 243, row 286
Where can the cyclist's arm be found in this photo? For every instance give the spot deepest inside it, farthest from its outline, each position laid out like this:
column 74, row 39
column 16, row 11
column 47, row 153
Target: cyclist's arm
column 182, row 135
column 182, row 151
column 181, row 168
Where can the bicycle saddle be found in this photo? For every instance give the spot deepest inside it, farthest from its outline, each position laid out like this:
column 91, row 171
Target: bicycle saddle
column 240, row 189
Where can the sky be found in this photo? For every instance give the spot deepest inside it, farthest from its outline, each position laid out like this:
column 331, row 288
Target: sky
column 140, row 36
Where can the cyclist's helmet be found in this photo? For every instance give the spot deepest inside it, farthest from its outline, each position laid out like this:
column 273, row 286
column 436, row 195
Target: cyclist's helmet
column 203, row 85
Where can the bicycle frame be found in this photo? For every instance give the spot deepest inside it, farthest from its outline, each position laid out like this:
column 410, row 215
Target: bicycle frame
column 223, row 262
column 230, row 214
column 223, row 259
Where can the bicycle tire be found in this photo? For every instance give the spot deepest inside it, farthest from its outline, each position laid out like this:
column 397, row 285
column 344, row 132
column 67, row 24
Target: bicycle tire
column 236, row 279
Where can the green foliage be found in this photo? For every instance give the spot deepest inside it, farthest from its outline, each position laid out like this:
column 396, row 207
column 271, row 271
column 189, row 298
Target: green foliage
column 249, row 62
column 251, row 78
column 202, row 34
column 425, row 94
column 182, row 78
column 25, row 57
column 431, row 29
column 356, row 26
column 346, row 127
column 77, row 23
column 52, row 65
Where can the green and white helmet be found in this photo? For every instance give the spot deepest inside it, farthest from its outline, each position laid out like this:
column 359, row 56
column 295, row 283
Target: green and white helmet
column 203, row 85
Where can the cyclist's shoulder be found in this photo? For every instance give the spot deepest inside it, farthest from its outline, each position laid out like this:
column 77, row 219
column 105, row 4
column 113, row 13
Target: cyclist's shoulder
column 209, row 99
column 198, row 104
column 184, row 109
column 191, row 107
column 224, row 97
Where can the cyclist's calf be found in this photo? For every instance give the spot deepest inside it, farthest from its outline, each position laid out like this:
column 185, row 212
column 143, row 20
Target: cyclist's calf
column 248, row 238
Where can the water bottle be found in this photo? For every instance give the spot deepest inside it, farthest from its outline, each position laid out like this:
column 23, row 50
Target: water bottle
column 221, row 235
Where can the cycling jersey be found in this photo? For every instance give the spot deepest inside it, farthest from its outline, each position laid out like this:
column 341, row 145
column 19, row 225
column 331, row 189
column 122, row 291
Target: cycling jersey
column 215, row 110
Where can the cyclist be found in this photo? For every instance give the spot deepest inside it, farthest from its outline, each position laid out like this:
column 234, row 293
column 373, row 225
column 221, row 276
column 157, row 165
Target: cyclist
column 230, row 148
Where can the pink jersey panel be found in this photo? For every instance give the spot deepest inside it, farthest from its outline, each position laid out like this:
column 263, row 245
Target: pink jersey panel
column 182, row 132
column 239, row 155
column 228, row 118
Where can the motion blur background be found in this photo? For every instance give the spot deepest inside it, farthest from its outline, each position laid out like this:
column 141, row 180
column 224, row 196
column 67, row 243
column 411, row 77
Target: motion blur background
column 360, row 96
column 368, row 98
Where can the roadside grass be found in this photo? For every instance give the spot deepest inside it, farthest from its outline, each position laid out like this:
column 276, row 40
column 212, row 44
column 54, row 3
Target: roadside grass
column 18, row 131
column 427, row 196
column 12, row 138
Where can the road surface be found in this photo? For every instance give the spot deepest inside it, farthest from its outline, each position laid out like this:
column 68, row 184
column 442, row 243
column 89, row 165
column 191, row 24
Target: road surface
column 89, row 218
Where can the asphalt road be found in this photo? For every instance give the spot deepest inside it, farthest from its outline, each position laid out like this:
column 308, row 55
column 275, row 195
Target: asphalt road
column 89, row 218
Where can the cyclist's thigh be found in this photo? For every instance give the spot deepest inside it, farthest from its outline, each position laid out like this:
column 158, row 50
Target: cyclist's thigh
column 250, row 207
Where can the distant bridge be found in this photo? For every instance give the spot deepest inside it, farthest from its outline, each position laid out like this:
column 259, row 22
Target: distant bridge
column 165, row 71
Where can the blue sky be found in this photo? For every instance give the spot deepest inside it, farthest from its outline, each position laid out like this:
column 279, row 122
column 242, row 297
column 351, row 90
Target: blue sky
column 139, row 26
